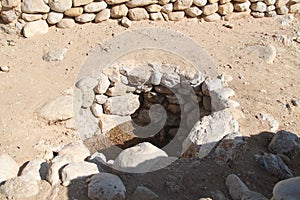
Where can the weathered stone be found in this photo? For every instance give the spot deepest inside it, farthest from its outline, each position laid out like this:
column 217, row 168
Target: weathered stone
column 210, row 85
column 237, row 15
column 138, row 159
column 97, row 109
column 140, row 75
column 294, row 8
column 8, row 16
column 126, row 23
column 87, row 124
column 285, row 143
column 270, row 2
column 34, row 6
column 106, row 186
column 103, row 84
column 257, row 14
column 207, row 132
column 35, row 169
column 212, row 17
column 8, row 168
column 35, row 28
column 76, row 171
column 87, row 85
column 140, row 3
column 119, row 88
column 130, row 103
column 171, row 80
column 258, row 7
column 156, row 16
column 200, row 3
column 137, row 14
column 236, row 187
column 287, row 189
column 225, row 9
column 97, row 158
column 282, row 10
column 280, row 3
column 163, row 2
column 58, row 109
column 210, row 9
column 270, row 13
column 9, row 4
column 153, row 8
column 60, row 5
column 95, row 7
column 101, row 99
column 193, row 11
column 20, row 188
column 118, row 11
column 270, row 8
column 107, row 122
column 103, row 15
column 31, row 17
column 54, row 17
column 55, row 55
column 275, row 166
column 182, row 4
column 81, row 2
column 220, row 99
column 241, row 7
column 167, row 8
column 74, row 12
column 85, row 18
column 114, row 2
column 144, row 193
column 66, row 23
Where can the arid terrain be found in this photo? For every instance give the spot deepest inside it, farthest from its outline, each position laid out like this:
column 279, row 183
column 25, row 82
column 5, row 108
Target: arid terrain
column 260, row 88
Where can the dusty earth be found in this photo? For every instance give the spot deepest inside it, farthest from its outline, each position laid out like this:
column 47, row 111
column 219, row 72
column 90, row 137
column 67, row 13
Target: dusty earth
column 260, row 88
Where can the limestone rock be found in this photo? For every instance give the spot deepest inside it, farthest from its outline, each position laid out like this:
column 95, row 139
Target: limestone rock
column 8, row 168
column 118, row 11
column 106, row 186
column 130, row 103
column 77, row 3
column 97, row 109
column 280, row 3
column 60, row 5
column 241, row 7
column 200, row 3
column 58, row 109
column 209, row 131
column 193, row 11
column 210, row 9
column 210, row 85
column 119, row 88
column 35, row 28
column 100, row 99
column 287, row 189
column 137, row 14
column 74, row 12
column 31, row 17
column 286, row 143
column 138, row 159
column 34, row 6
column 35, row 169
column 140, row 75
column 212, row 17
column 220, row 99
column 182, row 4
column 20, row 188
column 75, row 171
column 156, row 16
column 95, row 7
column 167, row 8
column 294, row 8
column 87, row 124
column 236, row 187
column 66, row 23
column 103, row 15
column 171, row 80
column 8, row 16
column 259, row 7
column 140, row 3
column 55, row 55
column 87, row 85
column 114, row 2
column 144, row 193
column 9, row 4
column 126, row 23
column 225, row 8
column 54, row 17
column 154, row 8
column 85, row 18
column 110, row 121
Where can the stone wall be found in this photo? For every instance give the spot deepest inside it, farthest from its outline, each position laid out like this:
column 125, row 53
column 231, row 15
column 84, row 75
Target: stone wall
column 35, row 16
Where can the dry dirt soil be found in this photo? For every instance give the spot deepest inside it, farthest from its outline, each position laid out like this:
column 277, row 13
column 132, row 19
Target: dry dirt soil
column 260, row 88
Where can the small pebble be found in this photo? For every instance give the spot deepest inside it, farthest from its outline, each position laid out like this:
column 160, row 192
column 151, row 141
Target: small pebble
column 5, row 69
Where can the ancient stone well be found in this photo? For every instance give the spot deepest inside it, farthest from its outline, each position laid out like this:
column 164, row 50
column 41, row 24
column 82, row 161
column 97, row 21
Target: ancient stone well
column 157, row 103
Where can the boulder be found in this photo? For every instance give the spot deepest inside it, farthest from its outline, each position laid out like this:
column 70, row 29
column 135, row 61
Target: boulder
column 8, row 168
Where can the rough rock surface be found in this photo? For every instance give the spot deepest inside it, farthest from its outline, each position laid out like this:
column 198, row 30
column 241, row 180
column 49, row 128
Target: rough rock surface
column 8, row 167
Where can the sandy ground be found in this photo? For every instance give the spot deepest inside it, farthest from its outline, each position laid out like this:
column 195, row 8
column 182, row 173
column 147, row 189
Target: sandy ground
column 260, row 87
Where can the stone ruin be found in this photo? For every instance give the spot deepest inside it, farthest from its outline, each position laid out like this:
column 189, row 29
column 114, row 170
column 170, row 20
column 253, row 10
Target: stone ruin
column 160, row 103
